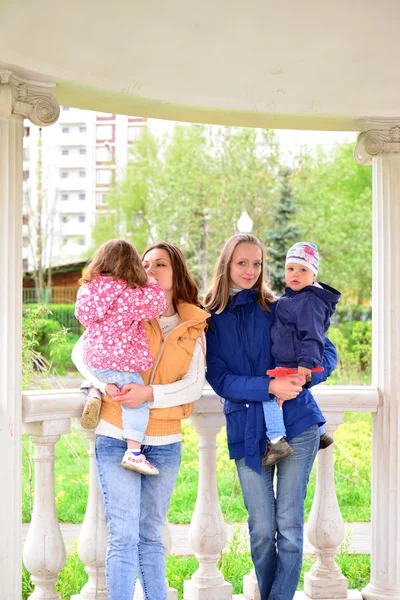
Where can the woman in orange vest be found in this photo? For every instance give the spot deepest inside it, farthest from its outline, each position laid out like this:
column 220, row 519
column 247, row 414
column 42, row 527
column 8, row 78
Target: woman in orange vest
column 136, row 505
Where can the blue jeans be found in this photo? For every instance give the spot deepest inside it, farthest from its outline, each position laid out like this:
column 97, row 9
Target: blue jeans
column 135, row 508
column 276, row 524
column 273, row 416
column 134, row 420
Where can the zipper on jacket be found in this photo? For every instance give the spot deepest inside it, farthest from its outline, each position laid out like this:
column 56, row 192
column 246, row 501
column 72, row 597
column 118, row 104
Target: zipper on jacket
column 158, row 357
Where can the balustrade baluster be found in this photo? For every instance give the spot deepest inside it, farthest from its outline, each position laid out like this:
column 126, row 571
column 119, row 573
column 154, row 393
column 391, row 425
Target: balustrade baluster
column 44, row 551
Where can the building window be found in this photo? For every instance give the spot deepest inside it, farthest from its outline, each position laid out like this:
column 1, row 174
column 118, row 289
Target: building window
column 134, row 133
column 103, row 154
column 104, row 114
column 104, row 132
column 65, row 152
column 64, row 196
column 82, row 196
column 64, row 175
column 82, row 173
column 25, row 175
column 27, row 131
column 103, row 176
column 101, row 199
column 65, row 129
column 82, row 218
column 65, row 108
column 24, row 264
column 65, row 218
column 82, row 151
column 82, row 129
column 80, row 240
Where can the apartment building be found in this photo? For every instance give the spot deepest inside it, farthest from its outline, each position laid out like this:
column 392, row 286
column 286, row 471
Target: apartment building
column 68, row 170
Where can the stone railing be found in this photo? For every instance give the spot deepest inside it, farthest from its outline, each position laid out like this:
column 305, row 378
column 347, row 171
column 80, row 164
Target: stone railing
column 47, row 415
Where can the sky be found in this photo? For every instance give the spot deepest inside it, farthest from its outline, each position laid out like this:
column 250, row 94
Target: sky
column 291, row 141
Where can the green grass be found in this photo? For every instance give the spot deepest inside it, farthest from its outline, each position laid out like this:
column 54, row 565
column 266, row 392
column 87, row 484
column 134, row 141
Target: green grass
column 234, row 565
column 352, row 475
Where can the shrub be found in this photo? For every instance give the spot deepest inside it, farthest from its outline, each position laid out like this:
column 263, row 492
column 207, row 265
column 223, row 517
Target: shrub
column 353, row 341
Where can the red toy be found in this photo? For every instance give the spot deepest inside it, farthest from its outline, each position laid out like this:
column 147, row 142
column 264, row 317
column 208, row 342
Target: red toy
column 281, row 371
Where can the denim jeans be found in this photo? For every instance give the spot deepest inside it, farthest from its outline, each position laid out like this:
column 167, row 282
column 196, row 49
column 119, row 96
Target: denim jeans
column 276, row 524
column 135, row 508
column 134, row 420
column 273, row 416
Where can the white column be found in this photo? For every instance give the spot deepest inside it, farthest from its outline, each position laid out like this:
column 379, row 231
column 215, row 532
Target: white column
column 92, row 542
column 380, row 145
column 44, row 550
column 18, row 99
column 207, row 533
column 325, row 528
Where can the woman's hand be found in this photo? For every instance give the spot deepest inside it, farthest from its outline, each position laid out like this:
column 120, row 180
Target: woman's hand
column 287, row 387
column 132, row 395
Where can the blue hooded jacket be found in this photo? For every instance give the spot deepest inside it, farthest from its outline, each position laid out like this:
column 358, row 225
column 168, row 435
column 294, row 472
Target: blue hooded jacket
column 302, row 320
column 238, row 356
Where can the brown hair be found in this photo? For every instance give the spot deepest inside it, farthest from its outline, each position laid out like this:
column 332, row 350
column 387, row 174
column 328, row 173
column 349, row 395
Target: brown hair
column 184, row 288
column 117, row 259
column 218, row 294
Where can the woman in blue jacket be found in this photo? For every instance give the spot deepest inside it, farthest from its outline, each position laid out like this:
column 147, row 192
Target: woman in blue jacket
column 238, row 356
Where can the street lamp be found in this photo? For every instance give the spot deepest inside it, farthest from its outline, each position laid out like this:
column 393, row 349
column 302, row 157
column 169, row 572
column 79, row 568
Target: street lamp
column 244, row 224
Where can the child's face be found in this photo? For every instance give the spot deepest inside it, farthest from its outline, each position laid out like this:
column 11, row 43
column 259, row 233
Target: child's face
column 298, row 277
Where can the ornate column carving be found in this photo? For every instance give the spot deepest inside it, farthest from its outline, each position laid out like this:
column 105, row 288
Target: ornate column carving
column 380, row 146
column 44, row 550
column 18, row 99
column 207, row 533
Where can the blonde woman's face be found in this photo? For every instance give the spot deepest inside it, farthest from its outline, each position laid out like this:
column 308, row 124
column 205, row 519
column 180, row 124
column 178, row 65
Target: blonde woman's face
column 157, row 264
column 245, row 267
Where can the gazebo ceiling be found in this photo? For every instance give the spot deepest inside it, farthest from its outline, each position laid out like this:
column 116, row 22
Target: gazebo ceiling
column 306, row 64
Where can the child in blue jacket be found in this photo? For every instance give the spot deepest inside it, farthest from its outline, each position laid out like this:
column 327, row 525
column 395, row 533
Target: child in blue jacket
column 298, row 335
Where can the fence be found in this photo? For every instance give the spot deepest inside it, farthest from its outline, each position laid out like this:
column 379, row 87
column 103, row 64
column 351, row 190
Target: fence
column 60, row 300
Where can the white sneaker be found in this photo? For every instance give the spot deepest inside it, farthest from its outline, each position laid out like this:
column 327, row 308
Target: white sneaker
column 91, row 412
column 138, row 463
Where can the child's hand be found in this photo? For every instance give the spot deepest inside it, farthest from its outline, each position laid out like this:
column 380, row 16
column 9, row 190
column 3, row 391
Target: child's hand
column 303, row 371
column 112, row 390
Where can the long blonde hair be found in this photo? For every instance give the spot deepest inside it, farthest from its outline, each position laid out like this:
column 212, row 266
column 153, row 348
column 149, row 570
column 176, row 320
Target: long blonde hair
column 217, row 296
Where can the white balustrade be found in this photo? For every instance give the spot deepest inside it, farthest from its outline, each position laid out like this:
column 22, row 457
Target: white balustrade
column 325, row 528
column 44, row 550
column 92, row 542
column 47, row 415
column 207, row 533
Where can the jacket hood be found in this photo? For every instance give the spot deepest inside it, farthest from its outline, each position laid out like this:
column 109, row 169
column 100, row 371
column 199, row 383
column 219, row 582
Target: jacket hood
column 326, row 292
column 99, row 286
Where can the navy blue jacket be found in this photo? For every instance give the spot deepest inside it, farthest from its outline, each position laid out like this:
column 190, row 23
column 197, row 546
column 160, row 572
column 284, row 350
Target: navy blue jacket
column 302, row 320
column 238, row 356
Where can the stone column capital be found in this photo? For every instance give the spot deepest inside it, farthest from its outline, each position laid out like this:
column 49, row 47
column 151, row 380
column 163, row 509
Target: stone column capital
column 28, row 99
column 381, row 138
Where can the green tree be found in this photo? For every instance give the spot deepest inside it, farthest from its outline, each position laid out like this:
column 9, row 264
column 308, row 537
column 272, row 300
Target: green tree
column 335, row 212
column 282, row 234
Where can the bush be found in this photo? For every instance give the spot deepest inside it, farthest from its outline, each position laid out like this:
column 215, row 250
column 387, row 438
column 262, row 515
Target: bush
column 353, row 341
column 352, row 312
column 64, row 314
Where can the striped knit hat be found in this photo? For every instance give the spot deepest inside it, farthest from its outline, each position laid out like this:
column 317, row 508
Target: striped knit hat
column 304, row 253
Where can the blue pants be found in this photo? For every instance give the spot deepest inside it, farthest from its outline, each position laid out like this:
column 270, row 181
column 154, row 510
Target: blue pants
column 276, row 523
column 135, row 508
column 134, row 420
column 273, row 416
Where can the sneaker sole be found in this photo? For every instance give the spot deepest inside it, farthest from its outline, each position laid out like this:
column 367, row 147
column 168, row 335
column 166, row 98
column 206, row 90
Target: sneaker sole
column 91, row 413
column 138, row 470
column 266, row 463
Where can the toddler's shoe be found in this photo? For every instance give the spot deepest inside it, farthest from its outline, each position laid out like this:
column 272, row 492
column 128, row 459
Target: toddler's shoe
column 138, row 463
column 91, row 411
column 276, row 452
column 324, row 441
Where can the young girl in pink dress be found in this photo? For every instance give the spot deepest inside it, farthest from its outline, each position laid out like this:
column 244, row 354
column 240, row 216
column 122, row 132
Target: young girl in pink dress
column 116, row 296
